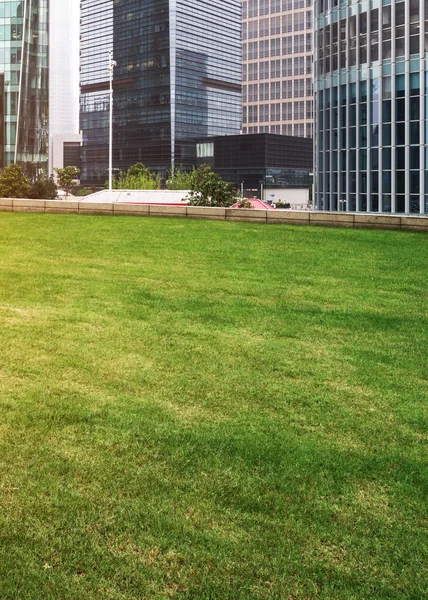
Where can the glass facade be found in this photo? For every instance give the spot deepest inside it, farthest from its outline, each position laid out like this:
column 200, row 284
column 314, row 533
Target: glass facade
column 177, row 79
column 24, row 84
column 260, row 161
column 371, row 94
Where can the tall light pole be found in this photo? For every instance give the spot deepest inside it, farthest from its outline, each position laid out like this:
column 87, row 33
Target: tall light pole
column 111, row 65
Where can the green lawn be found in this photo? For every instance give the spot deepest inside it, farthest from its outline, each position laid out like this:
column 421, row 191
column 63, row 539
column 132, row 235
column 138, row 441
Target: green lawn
column 211, row 411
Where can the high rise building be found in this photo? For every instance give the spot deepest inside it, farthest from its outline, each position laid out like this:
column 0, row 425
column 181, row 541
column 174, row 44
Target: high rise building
column 63, row 78
column 24, row 84
column 178, row 79
column 64, row 67
column 371, row 81
column 277, row 67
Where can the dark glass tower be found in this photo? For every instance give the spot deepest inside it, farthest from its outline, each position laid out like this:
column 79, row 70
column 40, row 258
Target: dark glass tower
column 177, row 80
column 24, row 84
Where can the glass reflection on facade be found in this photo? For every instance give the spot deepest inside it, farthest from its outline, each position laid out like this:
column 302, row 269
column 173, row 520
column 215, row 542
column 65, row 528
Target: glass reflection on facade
column 177, row 79
column 371, row 93
column 259, row 161
column 24, row 84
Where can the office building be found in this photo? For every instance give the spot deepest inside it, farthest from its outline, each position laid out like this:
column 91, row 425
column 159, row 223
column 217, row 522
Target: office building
column 24, row 85
column 277, row 67
column 269, row 166
column 371, row 81
column 178, row 78
column 63, row 82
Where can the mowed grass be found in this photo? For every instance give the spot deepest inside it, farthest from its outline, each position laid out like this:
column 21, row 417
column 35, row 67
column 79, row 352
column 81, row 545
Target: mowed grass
column 212, row 411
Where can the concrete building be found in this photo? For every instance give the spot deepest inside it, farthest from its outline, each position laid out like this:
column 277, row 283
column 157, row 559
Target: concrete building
column 371, row 80
column 277, row 67
column 63, row 78
column 178, row 78
column 24, row 85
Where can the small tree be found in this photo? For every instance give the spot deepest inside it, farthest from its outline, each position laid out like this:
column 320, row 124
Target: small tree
column 44, row 188
column 180, row 179
column 81, row 191
column 209, row 189
column 13, row 183
column 139, row 170
column 137, row 177
column 66, row 178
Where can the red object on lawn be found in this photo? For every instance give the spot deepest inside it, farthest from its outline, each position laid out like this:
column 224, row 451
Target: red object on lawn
column 255, row 203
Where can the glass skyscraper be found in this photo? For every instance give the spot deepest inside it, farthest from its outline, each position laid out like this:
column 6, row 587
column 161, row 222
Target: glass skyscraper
column 24, row 84
column 371, row 92
column 178, row 79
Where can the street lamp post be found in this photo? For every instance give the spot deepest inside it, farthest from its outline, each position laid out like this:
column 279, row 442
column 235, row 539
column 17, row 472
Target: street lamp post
column 111, row 65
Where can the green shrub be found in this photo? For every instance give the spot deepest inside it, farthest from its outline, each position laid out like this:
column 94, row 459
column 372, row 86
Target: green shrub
column 137, row 177
column 13, row 183
column 180, row 179
column 44, row 188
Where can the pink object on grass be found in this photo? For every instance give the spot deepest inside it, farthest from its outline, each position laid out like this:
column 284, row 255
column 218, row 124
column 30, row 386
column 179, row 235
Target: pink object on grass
column 255, row 203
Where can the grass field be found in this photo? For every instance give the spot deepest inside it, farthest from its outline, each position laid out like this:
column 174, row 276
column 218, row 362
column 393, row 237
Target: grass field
column 211, row 411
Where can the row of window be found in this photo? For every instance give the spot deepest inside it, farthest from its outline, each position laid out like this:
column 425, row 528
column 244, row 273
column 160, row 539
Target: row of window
column 259, row 29
column 322, row 6
column 371, row 146
column 356, row 40
column 11, row 9
column 280, row 111
column 299, row 65
column 286, row 23
column 272, row 47
column 275, row 90
column 296, row 129
column 254, row 8
column 270, row 70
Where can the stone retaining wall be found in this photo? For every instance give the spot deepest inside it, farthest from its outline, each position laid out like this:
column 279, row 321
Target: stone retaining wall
column 330, row 219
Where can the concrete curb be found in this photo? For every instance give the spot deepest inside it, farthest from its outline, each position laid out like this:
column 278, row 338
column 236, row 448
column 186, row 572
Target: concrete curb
column 327, row 219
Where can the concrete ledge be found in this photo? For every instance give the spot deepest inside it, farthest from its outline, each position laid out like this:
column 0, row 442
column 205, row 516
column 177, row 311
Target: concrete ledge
column 414, row 223
column 358, row 220
column 342, row 219
column 345, row 224
column 287, row 217
column 6, row 204
column 288, row 222
column 95, row 208
column 131, row 209
column 377, row 221
column 381, row 218
column 24, row 205
column 168, row 211
column 246, row 214
column 246, row 219
column 61, row 206
column 206, row 212
column 377, row 226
